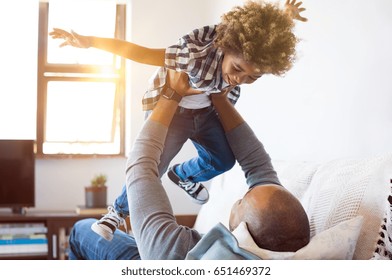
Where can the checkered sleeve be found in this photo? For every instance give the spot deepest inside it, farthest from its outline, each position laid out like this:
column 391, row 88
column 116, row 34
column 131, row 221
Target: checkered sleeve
column 234, row 94
column 156, row 83
column 190, row 50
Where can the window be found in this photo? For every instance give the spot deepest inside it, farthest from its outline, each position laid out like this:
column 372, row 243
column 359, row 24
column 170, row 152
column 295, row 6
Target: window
column 81, row 92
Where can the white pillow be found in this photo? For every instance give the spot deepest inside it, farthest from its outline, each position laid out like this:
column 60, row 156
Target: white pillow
column 295, row 176
column 345, row 188
column 335, row 243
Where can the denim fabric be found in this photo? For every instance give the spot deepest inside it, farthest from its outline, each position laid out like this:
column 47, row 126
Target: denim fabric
column 86, row 245
column 203, row 128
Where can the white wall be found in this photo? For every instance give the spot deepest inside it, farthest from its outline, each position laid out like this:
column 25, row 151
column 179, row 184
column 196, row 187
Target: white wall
column 335, row 102
column 18, row 58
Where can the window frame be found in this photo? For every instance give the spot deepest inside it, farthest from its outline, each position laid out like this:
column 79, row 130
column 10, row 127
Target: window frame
column 48, row 72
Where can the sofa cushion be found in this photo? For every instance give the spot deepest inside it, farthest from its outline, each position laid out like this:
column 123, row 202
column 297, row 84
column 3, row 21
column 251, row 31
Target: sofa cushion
column 336, row 243
column 384, row 244
column 344, row 188
column 295, row 176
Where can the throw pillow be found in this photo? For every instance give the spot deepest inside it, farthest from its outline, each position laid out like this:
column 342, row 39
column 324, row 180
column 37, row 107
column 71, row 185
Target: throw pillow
column 335, row 243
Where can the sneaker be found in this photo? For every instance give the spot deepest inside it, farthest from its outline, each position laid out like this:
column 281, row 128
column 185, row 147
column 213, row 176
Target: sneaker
column 107, row 225
column 196, row 191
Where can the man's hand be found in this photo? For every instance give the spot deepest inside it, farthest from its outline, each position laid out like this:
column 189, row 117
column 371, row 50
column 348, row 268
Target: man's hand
column 70, row 39
column 215, row 97
column 179, row 81
column 293, row 10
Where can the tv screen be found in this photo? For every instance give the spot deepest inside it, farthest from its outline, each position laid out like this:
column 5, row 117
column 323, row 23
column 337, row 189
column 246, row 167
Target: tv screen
column 17, row 174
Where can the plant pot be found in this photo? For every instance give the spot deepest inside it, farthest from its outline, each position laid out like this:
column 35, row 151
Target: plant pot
column 95, row 197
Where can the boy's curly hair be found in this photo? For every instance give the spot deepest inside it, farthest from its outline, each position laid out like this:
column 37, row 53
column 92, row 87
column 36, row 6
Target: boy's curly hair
column 261, row 33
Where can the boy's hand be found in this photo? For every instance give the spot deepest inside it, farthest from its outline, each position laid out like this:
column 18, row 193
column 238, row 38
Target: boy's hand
column 179, row 81
column 293, row 10
column 70, row 39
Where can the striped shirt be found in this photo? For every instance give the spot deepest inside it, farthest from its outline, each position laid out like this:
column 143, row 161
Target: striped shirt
column 196, row 55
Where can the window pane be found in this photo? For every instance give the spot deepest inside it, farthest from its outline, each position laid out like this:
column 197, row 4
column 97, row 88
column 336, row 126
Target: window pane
column 86, row 17
column 81, row 113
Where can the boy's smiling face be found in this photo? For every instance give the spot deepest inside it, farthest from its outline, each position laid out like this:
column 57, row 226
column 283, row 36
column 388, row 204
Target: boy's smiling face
column 236, row 71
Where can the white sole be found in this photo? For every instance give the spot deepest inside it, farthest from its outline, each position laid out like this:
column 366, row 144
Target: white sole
column 102, row 232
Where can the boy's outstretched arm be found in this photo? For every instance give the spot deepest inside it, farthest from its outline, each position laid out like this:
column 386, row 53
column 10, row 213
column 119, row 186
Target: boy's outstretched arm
column 122, row 48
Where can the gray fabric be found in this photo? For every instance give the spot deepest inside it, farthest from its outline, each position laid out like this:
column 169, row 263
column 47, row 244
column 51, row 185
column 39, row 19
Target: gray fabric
column 219, row 244
column 252, row 157
column 156, row 232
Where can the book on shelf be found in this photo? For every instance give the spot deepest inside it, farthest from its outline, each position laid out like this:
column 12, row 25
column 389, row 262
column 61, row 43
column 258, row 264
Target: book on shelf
column 22, row 228
column 23, row 239
column 23, row 243
column 23, row 249
column 83, row 210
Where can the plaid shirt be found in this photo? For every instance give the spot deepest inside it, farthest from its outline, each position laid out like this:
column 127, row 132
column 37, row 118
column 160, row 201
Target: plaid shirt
column 195, row 55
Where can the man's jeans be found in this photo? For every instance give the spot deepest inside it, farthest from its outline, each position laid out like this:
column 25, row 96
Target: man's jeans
column 203, row 128
column 85, row 245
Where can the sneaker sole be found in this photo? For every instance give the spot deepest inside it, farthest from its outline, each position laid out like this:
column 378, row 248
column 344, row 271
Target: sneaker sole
column 173, row 176
column 102, row 232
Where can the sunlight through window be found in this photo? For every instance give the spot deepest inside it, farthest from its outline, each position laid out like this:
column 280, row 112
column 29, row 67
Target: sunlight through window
column 77, row 16
column 80, row 91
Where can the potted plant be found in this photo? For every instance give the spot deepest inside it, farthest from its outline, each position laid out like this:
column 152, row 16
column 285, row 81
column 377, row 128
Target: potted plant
column 96, row 192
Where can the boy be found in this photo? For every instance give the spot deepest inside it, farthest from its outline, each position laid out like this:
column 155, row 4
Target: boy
column 250, row 41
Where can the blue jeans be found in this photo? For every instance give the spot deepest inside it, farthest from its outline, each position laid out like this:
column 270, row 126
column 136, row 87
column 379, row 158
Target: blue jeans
column 203, row 128
column 86, row 245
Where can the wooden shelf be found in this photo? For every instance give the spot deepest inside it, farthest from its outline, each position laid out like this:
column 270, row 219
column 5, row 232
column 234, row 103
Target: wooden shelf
column 58, row 226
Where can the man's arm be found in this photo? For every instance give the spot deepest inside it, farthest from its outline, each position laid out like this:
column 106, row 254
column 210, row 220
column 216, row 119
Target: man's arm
column 228, row 115
column 154, row 226
column 122, row 48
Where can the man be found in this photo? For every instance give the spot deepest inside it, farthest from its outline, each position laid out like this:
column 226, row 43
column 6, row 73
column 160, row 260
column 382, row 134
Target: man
column 274, row 217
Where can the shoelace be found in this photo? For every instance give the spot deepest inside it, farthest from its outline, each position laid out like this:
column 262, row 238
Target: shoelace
column 114, row 219
column 189, row 187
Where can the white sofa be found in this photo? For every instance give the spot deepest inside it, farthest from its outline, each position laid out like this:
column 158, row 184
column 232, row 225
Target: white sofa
column 332, row 194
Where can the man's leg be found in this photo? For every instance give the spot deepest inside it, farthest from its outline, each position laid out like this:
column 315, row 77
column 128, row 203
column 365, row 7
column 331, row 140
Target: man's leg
column 84, row 245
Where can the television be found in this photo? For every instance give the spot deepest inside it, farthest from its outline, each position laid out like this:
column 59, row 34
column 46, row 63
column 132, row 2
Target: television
column 17, row 174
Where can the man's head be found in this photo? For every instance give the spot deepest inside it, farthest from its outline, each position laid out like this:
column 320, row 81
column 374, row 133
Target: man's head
column 261, row 34
column 274, row 217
